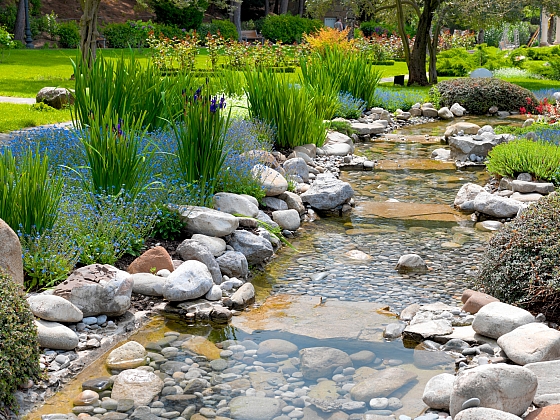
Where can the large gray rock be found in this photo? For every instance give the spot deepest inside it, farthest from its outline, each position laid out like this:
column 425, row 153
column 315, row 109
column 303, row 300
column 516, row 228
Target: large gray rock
column 138, row 385
column 275, row 203
column 243, row 296
column 457, row 110
column 194, row 250
column 148, row 284
column 497, row 318
column 190, row 280
column 208, row 221
column 54, row 308
column 287, row 219
column 10, row 257
column 437, row 392
column 465, row 127
column 481, row 413
column 548, row 374
column 429, row 111
column 217, row 246
column 279, row 346
column 531, row 343
column 321, row 362
column 381, row 384
column 255, row 408
column 233, row 264
column 272, row 181
column 363, row 129
column 481, row 72
column 496, row 206
column 467, row 192
column 98, row 289
column 235, row 204
column 463, row 146
column 530, row 187
column 334, row 137
column 327, row 192
column 298, row 167
column 128, row 356
column 255, row 248
column 56, row 97
column 411, row 263
column 293, row 201
column 500, row 386
column 445, row 113
column 338, row 149
column 55, row 336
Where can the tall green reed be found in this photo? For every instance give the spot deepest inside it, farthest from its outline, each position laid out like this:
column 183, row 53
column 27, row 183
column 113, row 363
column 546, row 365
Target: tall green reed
column 29, row 193
column 287, row 107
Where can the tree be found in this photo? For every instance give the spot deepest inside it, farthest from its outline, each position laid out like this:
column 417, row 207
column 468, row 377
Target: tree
column 19, row 30
column 88, row 30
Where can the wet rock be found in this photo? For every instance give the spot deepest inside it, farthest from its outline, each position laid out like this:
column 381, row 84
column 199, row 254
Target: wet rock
column 220, row 315
column 255, row 248
column 327, row 192
column 497, row 319
column 128, row 356
column 441, row 154
column 215, row 293
column 151, row 261
column 488, row 225
column 321, row 362
column 437, row 392
column 233, row 264
column 287, row 219
column 531, row 343
column 202, row 346
column 235, row 204
column 10, row 257
column 86, row 397
column 465, row 127
column 474, row 300
column 148, row 284
column 255, row 408
column 244, row 296
column 381, row 384
column 394, row 330
column 278, row 346
column 54, row 308
column 486, row 414
column 55, row 336
column 364, row 357
column 411, row 263
column 429, row 111
column 445, row 113
column 190, row 280
column 425, row 358
column 217, row 246
column 364, row 129
column 137, row 385
column 98, row 289
column 496, row 206
column 501, row 387
column 194, row 250
column 207, row 221
column 272, row 181
column 97, row 385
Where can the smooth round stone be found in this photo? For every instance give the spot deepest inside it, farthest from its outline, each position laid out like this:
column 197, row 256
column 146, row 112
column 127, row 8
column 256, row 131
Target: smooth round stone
column 87, row 397
column 288, row 409
column 207, row 412
column 219, row 364
column 470, row 403
column 489, row 225
column 61, row 359
column 109, row 404
column 83, row 409
column 296, row 414
column 90, row 320
column 128, row 356
column 393, row 362
column 99, row 410
column 169, row 352
column 225, row 354
column 378, row 403
column 101, row 319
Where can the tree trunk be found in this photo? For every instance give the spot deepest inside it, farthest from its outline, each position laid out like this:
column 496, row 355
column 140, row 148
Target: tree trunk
column 266, row 8
column 402, row 32
column 237, row 17
column 283, row 7
column 276, row 7
column 88, row 30
column 301, row 7
column 417, row 63
column 19, row 29
column 480, row 37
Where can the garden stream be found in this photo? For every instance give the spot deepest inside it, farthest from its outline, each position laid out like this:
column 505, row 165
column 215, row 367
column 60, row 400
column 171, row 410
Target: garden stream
column 340, row 287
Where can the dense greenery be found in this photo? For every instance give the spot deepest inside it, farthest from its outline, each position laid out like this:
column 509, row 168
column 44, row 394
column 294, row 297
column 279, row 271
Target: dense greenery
column 19, row 358
column 68, row 35
column 188, row 17
column 287, row 28
column 478, row 95
column 223, row 27
column 520, row 265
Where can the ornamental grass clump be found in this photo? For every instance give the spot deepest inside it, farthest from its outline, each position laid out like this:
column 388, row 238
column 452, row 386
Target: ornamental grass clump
column 200, row 136
column 289, row 108
column 520, row 265
column 539, row 158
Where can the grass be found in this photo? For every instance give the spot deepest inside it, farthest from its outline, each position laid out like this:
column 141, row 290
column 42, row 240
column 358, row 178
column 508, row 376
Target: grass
column 16, row 116
column 535, row 84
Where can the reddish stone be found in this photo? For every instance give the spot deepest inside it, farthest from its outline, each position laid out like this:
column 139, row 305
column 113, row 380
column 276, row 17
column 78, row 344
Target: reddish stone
column 151, row 261
column 552, row 412
column 476, row 300
column 467, row 294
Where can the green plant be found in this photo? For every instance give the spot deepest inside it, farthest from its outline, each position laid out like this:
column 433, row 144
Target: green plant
column 200, row 135
column 168, row 224
column 477, row 95
column 541, row 159
column 455, row 62
column 349, row 107
column 124, row 35
column 225, row 28
column 343, row 127
column 51, row 25
column 287, row 107
column 435, row 97
column 68, row 34
column 520, row 265
column 187, row 17
column 6, row 39
column 19, row 358
column 18, row 116
column 287, row 28
column 29, row 193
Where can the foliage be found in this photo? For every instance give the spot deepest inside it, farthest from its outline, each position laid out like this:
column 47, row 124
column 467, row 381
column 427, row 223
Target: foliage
column 68, row 35
column 343, row 127
column 287, row 28
column 384, row 46
column 372, row 27
column 168, row 224
column 225, row 28
column 520, row 265
column 187, row 17
column 6, row 39
column 514, row 72
column 29, row 195
column 477, row 95
column 541, row 159
column 287, row 107
column 51, row 25
column 200, row 136
column 327, row 37
column 402, row 98
column 19, row 358
column 176, row 54
column 241, row 55
column 448, row 40
column 349, row 107
column 17, row 116
column 129, row 34
column 455, row 62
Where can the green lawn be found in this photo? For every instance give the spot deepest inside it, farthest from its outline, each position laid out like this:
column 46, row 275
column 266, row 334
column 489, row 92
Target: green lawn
column 15, row 117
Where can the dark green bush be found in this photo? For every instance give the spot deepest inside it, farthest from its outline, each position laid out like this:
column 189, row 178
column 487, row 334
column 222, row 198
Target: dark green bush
column 68, row 35
column 520, row 265
column 287, row 28
column 168, row 225
column 226, row 28
column 187, row 18
column 19, row 350
column 124, row 35
column 477, row 95
column 456, row 62
column 372, row 27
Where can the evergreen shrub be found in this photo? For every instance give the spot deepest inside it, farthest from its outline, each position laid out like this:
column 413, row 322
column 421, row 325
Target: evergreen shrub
column 287, row 28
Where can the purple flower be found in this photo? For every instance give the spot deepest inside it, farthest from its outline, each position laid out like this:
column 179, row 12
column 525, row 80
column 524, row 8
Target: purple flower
column 213, row 105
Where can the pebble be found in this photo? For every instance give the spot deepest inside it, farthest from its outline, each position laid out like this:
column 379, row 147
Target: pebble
column 472, row 402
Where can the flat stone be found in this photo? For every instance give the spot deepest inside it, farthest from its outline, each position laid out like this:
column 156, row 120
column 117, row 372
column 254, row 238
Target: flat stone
column 255, row 408
column 363, row 129
column 531, row 343
column 55, row 336
column 202, row 346
column 548, row 374
column 138, row 385
column 465, row 127
column 532, row 187
column 496, row 319
column 54, row 308
column 148, row 284
column 128, row 356
column 382, row 384
column 320, row 362
column 279, row 346
column 428, row 330
column 217, row 246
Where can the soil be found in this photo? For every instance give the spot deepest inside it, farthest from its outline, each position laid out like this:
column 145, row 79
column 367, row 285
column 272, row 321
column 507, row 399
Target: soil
column 110, row 11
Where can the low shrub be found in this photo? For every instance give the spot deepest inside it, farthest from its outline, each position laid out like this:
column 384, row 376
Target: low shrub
column 168, row 224
column 541, row 159
column 520, row 265
column 125, row 35
column 514, row 73
column 224, row 27
column 477, row 95
column 456, row 62
column 6, row 39
column 19, row 358
column 68, row 35
column 349, row 107
column 287, row 28
column 188, row 17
